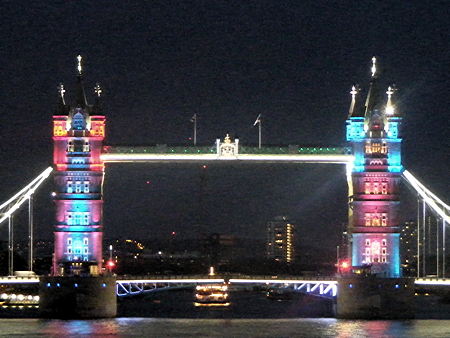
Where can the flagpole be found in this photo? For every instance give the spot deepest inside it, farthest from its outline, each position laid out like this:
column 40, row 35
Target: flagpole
column 195, row 130
column 259, row 128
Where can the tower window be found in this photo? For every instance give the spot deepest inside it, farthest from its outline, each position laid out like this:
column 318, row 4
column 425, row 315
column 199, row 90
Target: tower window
column 367, row 242
column 383, row 242
column 86, row 187
column 70, row 146
column 69, row 187
column 86, row 146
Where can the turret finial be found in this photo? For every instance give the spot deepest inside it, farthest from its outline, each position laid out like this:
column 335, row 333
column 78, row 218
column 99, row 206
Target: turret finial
column 389, row 106
column 61, row 91
column 353, row 92
column 374, row 66
column 98, row 90
column 79, row 59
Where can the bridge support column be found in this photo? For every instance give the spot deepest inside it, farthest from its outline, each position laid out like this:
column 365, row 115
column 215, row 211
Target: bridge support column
column 375, row 298
column 77, row 297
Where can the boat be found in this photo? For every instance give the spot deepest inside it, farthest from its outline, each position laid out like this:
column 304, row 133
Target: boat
column 211, row 295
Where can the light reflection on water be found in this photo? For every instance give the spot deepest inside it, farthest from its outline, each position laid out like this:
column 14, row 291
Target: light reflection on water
column 158, row 327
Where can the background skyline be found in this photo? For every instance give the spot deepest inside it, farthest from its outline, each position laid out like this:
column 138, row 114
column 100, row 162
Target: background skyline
column 227, row 61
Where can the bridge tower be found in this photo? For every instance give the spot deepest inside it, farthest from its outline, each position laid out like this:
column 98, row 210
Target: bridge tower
column 78, row 133
column 373, row 128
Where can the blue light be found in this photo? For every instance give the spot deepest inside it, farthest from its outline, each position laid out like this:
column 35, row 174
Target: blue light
column 350, row 286
column 355, row 129
column 104, row 285
column 58, row 285
column 48, row 285
column 75, row 285
column 395, row 168
column 397, row 286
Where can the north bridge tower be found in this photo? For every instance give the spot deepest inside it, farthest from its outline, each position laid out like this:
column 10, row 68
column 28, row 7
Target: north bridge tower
column 373, row 128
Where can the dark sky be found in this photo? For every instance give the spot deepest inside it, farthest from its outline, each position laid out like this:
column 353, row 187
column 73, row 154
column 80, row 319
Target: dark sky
column 161, row 61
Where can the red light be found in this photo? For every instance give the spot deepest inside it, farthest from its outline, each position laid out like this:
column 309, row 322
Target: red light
column 204, row 166
column 148, row 182
column 173, row 233
column 345, row 265
column 111, row 264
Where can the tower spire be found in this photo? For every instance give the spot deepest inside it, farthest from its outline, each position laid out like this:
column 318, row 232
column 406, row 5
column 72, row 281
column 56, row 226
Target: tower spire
column 373, row 98
column 81, row 96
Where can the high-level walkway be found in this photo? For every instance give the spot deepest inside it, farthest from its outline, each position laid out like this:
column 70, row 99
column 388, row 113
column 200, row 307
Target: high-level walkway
column 266, row 154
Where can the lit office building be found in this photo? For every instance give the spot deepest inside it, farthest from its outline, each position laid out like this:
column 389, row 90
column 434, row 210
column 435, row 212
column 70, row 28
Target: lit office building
column 280, row 240
column 408, row 247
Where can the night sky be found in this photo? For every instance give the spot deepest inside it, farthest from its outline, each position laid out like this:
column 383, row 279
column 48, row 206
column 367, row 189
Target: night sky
column 159, row 62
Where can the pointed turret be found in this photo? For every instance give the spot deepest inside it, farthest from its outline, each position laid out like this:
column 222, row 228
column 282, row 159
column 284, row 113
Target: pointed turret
column 81, row 96
column 353, row 110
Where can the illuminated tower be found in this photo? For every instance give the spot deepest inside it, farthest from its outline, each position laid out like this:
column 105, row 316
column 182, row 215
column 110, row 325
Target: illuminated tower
column 280, row 240
column 78, row 133
column 373, row 130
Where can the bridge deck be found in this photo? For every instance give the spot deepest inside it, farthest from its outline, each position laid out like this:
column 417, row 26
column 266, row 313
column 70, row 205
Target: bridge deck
column 164, row 153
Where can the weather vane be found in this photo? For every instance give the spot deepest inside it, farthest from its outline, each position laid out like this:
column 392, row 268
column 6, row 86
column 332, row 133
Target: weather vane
column 79, row 58
column 374, row 66
column 98, row 90
column 61, row 90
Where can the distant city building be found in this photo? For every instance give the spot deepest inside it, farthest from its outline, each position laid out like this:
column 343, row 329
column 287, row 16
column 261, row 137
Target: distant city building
column 280, row 240
column 408, row 247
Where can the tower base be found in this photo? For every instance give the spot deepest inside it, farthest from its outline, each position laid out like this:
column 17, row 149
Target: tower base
column 77, row 297
column 370, row 297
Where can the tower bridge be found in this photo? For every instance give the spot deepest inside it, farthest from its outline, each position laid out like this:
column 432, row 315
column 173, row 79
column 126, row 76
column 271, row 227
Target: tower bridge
column 373, row 162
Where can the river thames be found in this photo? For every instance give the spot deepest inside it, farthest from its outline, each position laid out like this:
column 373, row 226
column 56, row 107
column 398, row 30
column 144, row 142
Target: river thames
column 161, row 327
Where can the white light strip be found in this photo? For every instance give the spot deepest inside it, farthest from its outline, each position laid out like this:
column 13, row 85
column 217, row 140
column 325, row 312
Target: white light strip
column 18, row 281
column 44, row 174
column 410, row 177
column 282, row 281
column 320, row 158
column 173, row 281
column 421, row 281
column 25, row 196
column 430, row 202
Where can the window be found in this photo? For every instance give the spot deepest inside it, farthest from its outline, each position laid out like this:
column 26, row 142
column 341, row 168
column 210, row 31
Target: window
column 78, row 161
column 86, row 187
column 69, row 249
column 86, row 146
column 383, row 242
column 375, row 219
column 383, row 259
column 384, row 188
column 367, row 251
column 69, row 187
column 69, row 241
column 77, row 218
column 367, row 242
column 85, row 241
column 77, row 186
column 383, row 251
column 376, row 148
column 70, row 146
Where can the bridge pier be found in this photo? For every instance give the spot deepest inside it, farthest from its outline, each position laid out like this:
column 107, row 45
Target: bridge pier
column 375, row 298
column 77, row 297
